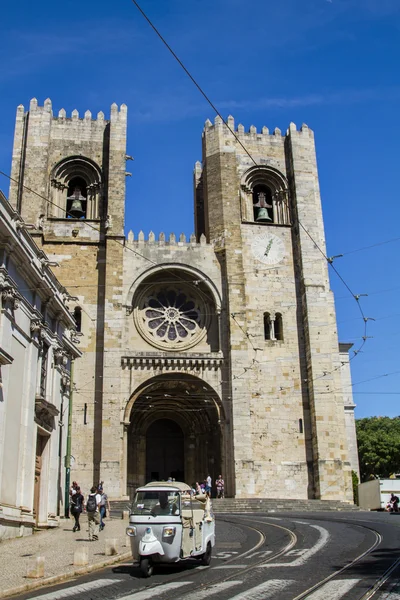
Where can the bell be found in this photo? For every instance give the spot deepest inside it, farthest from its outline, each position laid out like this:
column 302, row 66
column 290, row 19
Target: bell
column 263, row 215
column 76, row 209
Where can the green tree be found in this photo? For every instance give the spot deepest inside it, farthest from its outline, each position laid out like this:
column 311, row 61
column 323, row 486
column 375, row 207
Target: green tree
column 378, row 441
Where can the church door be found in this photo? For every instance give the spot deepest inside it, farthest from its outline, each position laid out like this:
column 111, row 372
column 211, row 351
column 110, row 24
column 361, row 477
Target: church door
column 164, row 451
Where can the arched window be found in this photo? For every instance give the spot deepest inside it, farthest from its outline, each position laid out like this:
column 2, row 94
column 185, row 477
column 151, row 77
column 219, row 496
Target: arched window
column 267, row 326
column 76, row 189
column 265, row 196
column 273, row 327
column 278, row 327
column 78, row 317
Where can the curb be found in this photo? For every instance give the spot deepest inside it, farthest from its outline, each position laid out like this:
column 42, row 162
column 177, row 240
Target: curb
column 33, row 585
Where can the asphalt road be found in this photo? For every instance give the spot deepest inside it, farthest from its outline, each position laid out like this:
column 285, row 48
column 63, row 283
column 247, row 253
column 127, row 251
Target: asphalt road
column 327, row 556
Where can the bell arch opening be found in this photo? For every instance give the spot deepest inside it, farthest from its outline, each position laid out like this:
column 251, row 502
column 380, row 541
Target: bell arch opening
column 76, row 189
column 264, row 196
column 175, row 430
column 76, row 199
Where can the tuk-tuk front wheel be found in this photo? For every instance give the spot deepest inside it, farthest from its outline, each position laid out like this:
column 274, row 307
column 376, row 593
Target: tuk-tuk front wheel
column 147, row 567
column 206, row 557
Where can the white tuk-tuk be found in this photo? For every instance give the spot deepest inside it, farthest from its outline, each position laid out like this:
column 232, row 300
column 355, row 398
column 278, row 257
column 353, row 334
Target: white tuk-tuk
column 168, row 523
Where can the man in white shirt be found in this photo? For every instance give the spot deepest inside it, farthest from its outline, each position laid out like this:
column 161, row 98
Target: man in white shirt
column 93, row 512
column 208, row 485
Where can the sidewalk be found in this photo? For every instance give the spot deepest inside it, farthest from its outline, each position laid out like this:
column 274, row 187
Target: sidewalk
column 57, row 546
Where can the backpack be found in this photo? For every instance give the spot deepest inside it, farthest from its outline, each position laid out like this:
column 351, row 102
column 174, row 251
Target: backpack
column 91, row 504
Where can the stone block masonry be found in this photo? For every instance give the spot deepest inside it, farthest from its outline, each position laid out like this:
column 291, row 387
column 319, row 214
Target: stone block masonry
column 217, row 353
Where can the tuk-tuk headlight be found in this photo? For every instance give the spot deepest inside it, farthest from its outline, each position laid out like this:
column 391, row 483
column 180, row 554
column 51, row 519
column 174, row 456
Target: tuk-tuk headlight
column 131, row 531
column 169, row 531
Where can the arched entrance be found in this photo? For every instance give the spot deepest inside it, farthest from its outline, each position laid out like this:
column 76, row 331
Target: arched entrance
column 164, row 451
column 174, row 431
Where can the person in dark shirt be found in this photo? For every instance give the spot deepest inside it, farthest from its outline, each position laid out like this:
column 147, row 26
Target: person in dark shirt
column 394, row 503
column 77, row 501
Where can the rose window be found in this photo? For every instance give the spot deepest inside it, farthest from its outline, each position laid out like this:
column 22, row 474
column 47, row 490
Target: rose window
column 171, row 318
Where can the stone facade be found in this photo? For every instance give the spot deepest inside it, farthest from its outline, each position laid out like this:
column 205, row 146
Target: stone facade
column 37, row 345
column 218, row 353
column 349, row 407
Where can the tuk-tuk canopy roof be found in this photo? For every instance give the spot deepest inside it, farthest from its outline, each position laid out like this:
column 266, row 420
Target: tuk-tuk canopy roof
column 165, row 485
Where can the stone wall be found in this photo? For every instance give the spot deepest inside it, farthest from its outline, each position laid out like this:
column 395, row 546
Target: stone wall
column 275, row 384
column 275, row 402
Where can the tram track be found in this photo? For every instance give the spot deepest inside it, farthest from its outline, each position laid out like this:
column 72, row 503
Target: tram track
column 309, row 592
column 271, row 576
column 373, row 590
column 242, row 571
column 339, row 572
column 197, row 571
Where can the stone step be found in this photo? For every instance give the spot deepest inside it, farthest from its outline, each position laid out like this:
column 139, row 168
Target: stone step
column 229, row 505
column 243, row 505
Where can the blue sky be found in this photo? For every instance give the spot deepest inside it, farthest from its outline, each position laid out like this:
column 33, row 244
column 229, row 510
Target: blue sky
column 333, row 64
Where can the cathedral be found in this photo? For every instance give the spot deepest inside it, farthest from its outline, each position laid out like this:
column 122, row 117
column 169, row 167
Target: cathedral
column 216, row 354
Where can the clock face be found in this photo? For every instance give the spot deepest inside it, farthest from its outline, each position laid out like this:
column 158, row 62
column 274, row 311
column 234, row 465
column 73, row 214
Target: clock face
column 268, row 248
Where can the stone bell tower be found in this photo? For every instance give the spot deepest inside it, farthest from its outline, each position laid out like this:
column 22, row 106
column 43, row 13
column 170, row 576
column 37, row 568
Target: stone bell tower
column 69, row 184
column 257, row 200
column 53, row 156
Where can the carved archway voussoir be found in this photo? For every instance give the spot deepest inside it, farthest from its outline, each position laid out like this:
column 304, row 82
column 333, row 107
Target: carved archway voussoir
column 185, row 380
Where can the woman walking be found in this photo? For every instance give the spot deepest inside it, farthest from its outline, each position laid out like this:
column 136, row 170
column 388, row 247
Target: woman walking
column 77, row 501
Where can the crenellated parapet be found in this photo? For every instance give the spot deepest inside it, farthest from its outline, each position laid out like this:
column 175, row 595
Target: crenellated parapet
column 172, row 240
column 47, row 108
column 220, row 128
column 60, row 154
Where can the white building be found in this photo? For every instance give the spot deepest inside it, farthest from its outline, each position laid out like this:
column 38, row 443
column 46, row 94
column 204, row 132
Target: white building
column 37, row 345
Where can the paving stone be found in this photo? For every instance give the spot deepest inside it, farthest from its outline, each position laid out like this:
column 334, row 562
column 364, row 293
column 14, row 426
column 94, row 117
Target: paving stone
column 57, row 546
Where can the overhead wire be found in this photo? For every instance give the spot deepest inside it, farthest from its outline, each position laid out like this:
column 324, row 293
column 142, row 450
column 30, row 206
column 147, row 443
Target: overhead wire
column 351, row 385
column 124, row 246
column 247, row 334
column 396, row 239
column 170, row 270
column 329, row 260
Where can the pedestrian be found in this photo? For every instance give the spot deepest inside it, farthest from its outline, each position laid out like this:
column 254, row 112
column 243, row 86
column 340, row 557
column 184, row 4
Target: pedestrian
column 93, row 512
column 104, row 507
column 198, row 488
column 394, row 503
column 72, row 490
column 208, row 485
column 77, row 501
column 220, row 487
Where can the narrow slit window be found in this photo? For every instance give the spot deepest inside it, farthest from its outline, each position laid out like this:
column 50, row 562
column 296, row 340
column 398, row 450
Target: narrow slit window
column 300, row 425
column 267, row 326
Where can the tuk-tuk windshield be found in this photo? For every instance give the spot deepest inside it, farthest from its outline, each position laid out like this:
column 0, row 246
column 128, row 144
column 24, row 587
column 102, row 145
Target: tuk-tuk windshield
column 156, row 503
